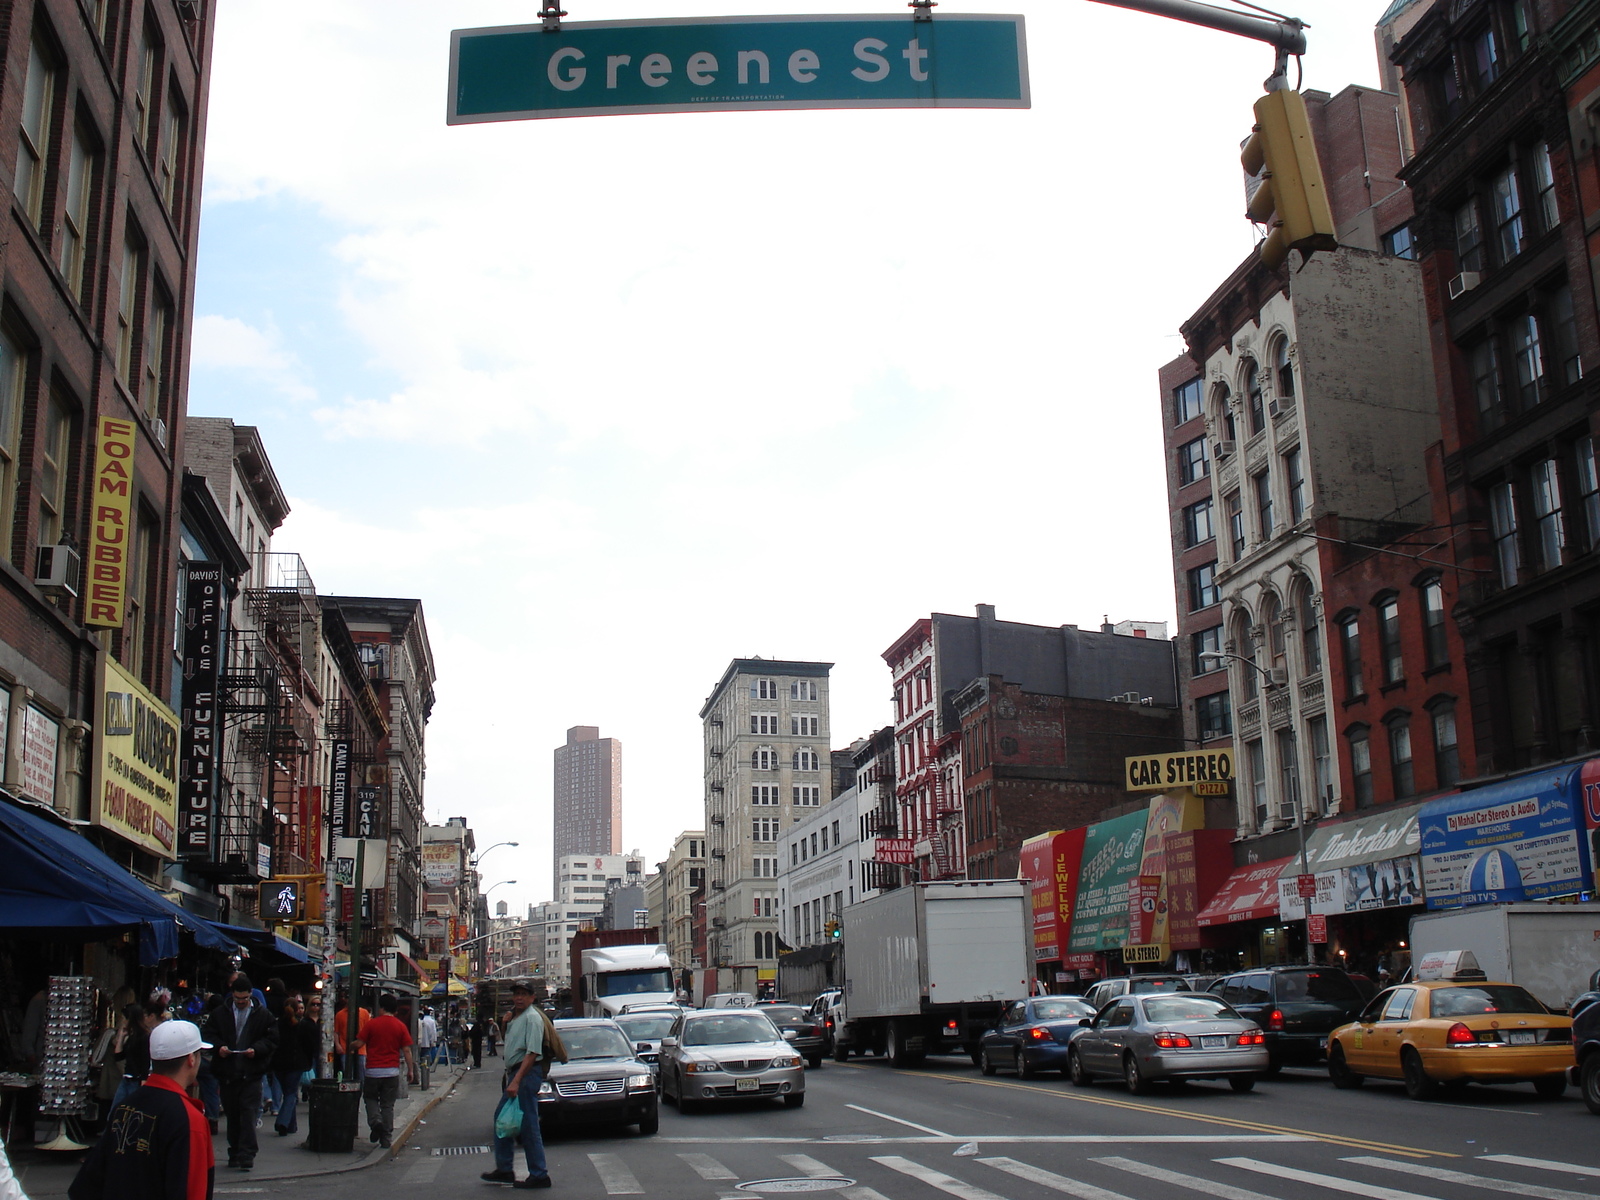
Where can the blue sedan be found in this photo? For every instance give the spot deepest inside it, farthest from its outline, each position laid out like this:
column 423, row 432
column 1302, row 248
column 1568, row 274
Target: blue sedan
column 1032, row 1035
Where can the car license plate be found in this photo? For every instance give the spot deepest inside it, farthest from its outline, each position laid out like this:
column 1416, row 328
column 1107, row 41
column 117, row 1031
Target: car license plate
column 747, row 1085
column 1213, row 1043
column 1520, row 1037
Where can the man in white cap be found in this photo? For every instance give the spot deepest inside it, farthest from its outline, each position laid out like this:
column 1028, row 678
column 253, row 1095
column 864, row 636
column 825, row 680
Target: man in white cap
column 157, row 1143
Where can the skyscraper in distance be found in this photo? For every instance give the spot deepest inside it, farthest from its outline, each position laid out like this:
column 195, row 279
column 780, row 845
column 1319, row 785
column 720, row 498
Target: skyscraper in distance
column 588, row 794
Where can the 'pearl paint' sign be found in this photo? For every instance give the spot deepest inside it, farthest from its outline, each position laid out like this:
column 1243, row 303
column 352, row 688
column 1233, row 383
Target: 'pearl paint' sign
column 728, row 64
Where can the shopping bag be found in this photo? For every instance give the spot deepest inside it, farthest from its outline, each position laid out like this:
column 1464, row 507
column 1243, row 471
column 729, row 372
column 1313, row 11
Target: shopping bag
column 508, row 1121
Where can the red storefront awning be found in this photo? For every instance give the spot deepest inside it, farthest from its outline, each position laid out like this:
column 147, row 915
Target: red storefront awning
column 1249, row 894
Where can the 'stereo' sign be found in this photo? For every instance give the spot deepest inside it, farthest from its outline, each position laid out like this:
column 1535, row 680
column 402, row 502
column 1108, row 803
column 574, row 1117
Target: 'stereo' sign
column 721, row 64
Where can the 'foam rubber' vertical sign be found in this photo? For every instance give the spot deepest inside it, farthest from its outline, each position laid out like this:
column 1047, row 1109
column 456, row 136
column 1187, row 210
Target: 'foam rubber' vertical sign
column 724, row 64
column 110, row 531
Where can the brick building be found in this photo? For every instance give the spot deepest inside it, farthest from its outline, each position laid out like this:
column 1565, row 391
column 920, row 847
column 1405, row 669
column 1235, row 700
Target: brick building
column 1031, row 763
column 102, row 108
column 1504, row 180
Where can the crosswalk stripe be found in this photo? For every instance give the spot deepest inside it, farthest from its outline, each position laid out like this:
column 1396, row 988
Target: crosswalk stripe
column 1328, row 1181
column 807, row 1165
column 1482, row 1181
column 1223, row 1191
column 707, row 1167
column 616, row 1177
column 859, row 1193
column 422, row 1173
column 1049, row 1179
column 938, row 1179
column 1543, row 1164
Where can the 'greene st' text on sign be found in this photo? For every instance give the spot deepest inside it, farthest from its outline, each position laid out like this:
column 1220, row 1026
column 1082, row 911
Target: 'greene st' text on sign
column 721, row 64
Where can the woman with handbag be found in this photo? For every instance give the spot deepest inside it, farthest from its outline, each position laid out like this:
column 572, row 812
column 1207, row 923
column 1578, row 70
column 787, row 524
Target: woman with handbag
column 299, row 1044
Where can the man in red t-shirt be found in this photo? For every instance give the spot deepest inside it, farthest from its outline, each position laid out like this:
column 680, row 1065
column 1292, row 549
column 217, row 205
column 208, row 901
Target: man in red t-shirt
column 385, row 1039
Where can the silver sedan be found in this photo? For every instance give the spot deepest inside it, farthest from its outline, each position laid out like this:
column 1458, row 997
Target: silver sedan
column 729, row 1054
column 1174, row 1037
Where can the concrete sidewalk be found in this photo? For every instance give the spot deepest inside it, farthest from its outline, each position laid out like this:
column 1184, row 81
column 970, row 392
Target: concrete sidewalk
column 50, row 1173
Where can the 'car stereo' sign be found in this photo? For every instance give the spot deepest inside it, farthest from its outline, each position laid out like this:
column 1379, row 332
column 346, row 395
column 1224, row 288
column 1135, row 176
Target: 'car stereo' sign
column 721, row 64
column 1517, row 840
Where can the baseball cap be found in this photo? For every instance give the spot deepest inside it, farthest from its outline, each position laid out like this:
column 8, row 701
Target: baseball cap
column 175, row 1039
column 519, row 986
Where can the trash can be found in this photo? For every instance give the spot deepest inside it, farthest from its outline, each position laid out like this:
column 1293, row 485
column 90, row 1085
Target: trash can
column 335, row 1115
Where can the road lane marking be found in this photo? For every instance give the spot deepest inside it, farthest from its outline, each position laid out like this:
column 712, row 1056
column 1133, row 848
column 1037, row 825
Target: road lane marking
column 807, row 1165
column 1543, row 1164
column 1371, row 1190
column 855, row 1193
column 1049, row 1179
column 707, row 1167
column 1481, row 1181
column 618, row 1180
column 1223, row 1191
column 423, row 1173
column 1006, row 1139
column 938, row 1179
column 1333, row 1139
column 1513, row 1112
column 898, row 1120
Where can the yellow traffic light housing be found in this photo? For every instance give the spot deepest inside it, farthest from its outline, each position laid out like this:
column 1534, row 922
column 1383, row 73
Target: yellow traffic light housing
column 1290, row 198
column 281, row 902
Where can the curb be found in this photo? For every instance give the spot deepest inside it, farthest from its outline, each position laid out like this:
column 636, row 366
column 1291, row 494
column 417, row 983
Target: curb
column 378, row 1153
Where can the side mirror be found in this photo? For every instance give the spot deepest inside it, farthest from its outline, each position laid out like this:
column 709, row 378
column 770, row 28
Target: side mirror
column 669, row 1043
column 1085, row 1022
column 790, row 1035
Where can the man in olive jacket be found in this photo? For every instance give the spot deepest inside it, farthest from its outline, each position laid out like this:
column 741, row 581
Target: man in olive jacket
column 245, row 1035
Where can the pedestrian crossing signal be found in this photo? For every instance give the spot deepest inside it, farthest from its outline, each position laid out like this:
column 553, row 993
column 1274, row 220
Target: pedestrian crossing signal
column 282, row 901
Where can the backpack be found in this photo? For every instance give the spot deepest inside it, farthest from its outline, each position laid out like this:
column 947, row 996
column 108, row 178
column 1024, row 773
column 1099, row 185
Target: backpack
column 555, row 1050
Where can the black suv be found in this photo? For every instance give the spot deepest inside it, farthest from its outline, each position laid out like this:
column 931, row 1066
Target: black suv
column 1297, row 1007
column 1586, row 1044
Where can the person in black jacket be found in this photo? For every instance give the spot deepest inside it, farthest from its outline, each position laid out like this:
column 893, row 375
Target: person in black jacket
column 246, row 1038
column 299, row 1043
column 157, row 1145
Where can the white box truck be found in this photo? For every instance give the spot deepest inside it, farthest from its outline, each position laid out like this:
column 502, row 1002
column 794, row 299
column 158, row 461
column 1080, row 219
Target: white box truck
column 1551, row 949
column 929, row 967
column 615, row 978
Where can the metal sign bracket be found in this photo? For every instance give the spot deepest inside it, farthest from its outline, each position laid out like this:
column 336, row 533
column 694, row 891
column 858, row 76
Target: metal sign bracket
column 551, row 14
column 922, row 9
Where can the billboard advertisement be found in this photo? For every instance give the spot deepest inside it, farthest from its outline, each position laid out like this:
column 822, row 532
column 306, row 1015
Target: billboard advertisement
column 1050, row 861
column 1112, row 852
column 136, row 762
column 106, row 565
column 204, row 595
column 1392, row 883
column 1590, row 780
column 441, row 864
column 1522, row 839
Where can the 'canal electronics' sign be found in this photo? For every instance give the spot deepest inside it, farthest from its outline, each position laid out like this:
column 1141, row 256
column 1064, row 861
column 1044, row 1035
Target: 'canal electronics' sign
column 722, row 64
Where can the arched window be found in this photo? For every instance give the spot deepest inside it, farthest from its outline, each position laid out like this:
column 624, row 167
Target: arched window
column 1400, row 765
column 1244, row 646
column 764, row 758
column 1310, row 635
column 1275, row 635
column 805, row 760
column 1220, row 400
column 1282, row 371
column 1360, row 764
column 1253, row 398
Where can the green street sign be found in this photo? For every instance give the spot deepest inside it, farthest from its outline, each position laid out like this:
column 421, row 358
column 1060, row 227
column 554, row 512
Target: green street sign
column 723, row 64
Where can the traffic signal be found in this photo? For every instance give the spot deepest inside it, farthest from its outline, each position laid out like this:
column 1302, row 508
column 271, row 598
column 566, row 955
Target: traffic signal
column 831, row 928
column 1289, row 196
column 282, row 901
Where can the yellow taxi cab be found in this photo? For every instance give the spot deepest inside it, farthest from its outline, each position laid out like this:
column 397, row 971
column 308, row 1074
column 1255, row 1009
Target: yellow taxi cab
column 1450, row 1030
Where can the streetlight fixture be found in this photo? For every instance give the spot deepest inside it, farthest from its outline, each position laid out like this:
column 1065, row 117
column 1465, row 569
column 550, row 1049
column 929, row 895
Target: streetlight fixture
column 478, row 857
column 1278, row 677
column 492, row 887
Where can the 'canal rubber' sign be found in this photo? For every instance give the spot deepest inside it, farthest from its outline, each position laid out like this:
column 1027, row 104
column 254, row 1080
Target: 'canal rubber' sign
column 722, row 64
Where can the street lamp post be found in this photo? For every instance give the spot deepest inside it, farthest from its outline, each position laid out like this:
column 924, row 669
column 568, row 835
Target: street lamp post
column 478, row 857
column 1276, row 680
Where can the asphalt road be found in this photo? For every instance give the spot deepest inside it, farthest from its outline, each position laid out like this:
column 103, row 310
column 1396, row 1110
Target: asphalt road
column 869, row 1132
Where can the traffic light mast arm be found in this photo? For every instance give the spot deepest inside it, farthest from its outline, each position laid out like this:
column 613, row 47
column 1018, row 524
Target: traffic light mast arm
column 1286, row 34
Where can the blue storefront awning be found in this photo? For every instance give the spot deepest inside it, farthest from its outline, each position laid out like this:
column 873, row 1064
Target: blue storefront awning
column 264, row 940
column 57, row 880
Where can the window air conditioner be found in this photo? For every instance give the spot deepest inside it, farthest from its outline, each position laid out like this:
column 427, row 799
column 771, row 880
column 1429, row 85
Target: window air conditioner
column 1464, row 283
column 158, row 428
column 58, row 569
column 1224, row 449
column 1280, row 677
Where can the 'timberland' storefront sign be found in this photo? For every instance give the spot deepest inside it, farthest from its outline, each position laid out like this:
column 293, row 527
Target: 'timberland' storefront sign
column 135, row 790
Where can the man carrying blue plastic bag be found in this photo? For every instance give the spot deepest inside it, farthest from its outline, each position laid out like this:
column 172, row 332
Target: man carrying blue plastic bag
column 523, row 1046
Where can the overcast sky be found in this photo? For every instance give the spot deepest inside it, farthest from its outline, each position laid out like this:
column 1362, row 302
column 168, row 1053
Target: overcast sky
column 621, row 398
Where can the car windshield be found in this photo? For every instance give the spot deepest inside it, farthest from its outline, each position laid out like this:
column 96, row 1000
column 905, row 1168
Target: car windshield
column 1185, row 1008
column 1061, row 1010
column 1482, row 998
column 646, row 1029
column 784, row 1012
column 729, row 1029
column 633, row 983
column 595, row 1041
column 1330, row 987
column 1157, row 985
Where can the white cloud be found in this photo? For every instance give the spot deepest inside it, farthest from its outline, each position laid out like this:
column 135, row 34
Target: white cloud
column 229, row 344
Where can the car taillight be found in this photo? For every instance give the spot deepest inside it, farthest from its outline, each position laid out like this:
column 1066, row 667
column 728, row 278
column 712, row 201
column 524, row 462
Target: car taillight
column 1460, row 1035
column 1168, row 1041
column 1039, row 1035
column 1252, row 1037
column 1275, row 1021
column 952, row 1026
